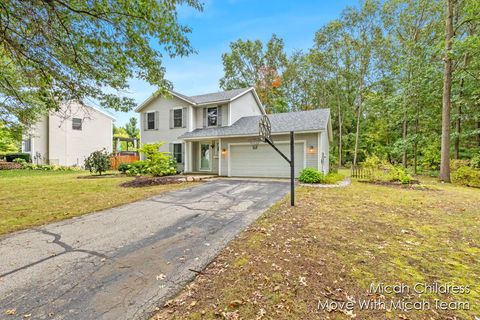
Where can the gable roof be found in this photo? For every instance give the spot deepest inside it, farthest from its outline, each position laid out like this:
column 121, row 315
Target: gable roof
column 209, row 98
column 313, row 120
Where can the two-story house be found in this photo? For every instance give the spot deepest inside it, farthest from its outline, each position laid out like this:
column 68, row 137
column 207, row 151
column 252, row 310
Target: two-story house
column 68, row 136
column 212, row 133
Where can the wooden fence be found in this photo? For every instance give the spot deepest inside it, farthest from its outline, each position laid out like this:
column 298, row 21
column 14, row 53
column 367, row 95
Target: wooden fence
column 117, row 160
column 361, row 173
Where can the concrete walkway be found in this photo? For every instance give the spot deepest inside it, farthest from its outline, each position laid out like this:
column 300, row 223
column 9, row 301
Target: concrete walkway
column 123, row 262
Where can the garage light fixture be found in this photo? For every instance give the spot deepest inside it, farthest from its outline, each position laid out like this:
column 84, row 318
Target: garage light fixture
column 224, row 151
column 311, row 149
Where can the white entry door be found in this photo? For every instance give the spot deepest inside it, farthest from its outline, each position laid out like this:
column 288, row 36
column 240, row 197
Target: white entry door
column 205, row 157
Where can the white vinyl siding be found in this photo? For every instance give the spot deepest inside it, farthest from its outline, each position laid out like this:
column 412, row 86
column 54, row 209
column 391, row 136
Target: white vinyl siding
column 163, row 107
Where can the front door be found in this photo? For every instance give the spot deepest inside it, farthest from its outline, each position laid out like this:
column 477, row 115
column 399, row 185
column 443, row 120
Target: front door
column 205, row 156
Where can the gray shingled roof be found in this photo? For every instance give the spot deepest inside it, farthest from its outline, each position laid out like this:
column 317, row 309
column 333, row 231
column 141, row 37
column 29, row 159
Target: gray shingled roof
column 217, row 96
column 281, row 122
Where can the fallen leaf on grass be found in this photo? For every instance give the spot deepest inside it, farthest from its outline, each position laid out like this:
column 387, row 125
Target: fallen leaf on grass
column 11, row 312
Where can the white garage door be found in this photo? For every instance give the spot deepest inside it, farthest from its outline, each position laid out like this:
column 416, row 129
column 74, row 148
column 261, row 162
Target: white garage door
column 264, row 161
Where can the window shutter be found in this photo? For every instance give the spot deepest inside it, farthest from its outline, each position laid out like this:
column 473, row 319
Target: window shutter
column 144, row 121
column 204, row 117
column 184, row 117
column 171, row 119
column 183, row 153
column 219, row 116
column 157, row 118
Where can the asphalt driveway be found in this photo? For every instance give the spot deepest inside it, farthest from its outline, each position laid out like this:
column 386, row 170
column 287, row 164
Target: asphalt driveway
column 123, row 262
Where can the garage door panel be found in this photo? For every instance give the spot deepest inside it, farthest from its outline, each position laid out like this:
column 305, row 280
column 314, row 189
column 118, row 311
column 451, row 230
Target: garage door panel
column 264, row 161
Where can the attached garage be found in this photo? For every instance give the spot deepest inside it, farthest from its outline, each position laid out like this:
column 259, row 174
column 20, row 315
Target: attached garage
column 244, row 161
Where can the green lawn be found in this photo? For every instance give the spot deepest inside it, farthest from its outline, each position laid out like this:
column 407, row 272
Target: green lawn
column 30, row 198
column 334, row 244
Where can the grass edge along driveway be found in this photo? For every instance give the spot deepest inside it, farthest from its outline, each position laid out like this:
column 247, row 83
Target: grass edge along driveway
column 31, row 198
column 333, row 245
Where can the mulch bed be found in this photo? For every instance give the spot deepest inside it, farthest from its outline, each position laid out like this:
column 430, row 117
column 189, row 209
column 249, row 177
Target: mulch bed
column 9, row 165
column 103, row 176
column 414, row 185
column 151, row 181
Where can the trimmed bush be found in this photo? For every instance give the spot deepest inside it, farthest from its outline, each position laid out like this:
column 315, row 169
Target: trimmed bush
column 157, row 163
column 466, row 176
column 98, row 162
column 475, row 161
column 11, row 156
column 124, row 167
column 310, row 175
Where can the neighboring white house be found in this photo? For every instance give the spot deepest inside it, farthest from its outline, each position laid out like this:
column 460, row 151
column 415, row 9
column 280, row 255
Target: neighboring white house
column 68, row 136
column 212, row 133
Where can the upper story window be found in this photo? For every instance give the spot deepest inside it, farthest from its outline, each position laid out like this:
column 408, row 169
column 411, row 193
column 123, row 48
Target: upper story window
column 151, row 120
column 212, row 116
column 177, row 118
column 77, row 124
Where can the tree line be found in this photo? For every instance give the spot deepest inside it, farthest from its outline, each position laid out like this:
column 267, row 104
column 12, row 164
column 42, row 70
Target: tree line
column 386, row 70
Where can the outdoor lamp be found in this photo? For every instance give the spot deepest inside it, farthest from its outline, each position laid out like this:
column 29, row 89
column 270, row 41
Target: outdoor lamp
column 311, row 149
column 224, row 151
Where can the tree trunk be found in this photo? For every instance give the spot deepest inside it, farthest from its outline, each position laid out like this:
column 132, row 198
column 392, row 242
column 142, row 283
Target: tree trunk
column 359, row 112
column 339, row 137
column 415, row 145
column 447, row 92
column 458, row 123
column 404, row 136
column 458, row 126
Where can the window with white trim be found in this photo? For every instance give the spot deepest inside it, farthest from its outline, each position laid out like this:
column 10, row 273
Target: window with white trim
column 212, row 116
column 177, row 152
column 177, row 118
column 77, row 124
column 150, row 120
column 27, row 145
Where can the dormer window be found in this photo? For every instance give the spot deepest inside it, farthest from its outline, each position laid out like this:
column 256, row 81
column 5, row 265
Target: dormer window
column 212, row 117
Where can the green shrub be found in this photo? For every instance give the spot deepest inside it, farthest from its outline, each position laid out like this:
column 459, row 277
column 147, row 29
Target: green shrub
column 310, row 175
column 466, row 176
column 382, row 170
column 157, row 163
column 457, row 164
column 332, row 178
column 11, row 156
column 48, row 167
column 397, row 173
column 19, row 160
column 124, row 167
column 475, row 161
column 98, row 162
column 430, row 159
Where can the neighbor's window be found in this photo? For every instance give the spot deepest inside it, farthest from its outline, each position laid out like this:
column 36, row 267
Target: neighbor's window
column 77, row 124
column 27, row 145
column 177, row 118
column 151, row 120
column 212, row 114
column 177, row 152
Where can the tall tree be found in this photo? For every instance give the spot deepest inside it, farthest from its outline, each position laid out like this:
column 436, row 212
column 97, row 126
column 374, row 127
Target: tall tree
column 253, row 64
column 131, row 128
column 447, row 90
column 57, row 50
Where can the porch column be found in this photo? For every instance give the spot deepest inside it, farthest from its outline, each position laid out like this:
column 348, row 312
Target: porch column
column 188, row 156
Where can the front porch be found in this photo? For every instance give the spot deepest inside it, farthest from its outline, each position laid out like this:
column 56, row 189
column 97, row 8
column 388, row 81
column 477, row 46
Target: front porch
column 202, row 157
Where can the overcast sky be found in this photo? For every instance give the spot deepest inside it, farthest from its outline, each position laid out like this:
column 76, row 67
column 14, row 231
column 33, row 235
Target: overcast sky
column 224, row 21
